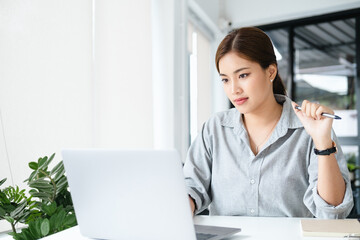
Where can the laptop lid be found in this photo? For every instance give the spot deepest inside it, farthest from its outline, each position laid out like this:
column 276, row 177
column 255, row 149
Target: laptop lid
column 119, row 194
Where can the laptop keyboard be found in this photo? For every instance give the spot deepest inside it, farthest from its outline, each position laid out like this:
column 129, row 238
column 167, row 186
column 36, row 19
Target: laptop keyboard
column 204, row 236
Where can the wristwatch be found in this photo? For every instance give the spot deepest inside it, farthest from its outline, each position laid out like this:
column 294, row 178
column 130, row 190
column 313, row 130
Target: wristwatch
column 326, row 151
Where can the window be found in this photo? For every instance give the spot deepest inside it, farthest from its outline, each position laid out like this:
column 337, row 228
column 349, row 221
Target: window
column 320, row 59
column 280, row 41
column 200, row 79
column 325, row 69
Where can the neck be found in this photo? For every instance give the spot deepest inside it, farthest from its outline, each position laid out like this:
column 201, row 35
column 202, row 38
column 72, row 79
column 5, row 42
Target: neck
column 265, row 114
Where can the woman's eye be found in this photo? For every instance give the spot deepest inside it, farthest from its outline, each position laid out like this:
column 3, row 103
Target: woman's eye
column 244, row 75
column 224, row 80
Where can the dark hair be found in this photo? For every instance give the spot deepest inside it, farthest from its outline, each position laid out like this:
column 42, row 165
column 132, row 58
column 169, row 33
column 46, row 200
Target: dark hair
column 254, row 45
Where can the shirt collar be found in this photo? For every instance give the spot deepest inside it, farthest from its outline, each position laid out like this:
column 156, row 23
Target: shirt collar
column 288, row 119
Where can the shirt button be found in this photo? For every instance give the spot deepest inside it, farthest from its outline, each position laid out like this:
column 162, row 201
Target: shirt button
column 252, row 210
column 252, row 181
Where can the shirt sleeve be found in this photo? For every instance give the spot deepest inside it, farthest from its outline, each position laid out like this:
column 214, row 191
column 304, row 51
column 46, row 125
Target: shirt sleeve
column 197, row 171
column 318, row 206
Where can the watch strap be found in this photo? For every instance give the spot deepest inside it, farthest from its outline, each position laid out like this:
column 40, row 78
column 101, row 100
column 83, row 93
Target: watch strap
column 326, row 151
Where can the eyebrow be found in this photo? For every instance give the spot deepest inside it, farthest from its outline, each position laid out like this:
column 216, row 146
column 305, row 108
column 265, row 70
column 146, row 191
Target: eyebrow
column 236, row 71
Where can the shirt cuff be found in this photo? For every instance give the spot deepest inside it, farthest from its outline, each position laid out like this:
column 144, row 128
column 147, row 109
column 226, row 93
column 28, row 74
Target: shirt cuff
column 198, row 203
column 325, row 210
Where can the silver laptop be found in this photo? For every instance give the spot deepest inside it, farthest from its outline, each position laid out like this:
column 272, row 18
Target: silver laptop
column 119, row 194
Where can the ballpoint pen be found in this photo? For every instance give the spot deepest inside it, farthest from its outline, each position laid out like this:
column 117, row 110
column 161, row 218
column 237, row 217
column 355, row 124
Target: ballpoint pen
column 324, row 114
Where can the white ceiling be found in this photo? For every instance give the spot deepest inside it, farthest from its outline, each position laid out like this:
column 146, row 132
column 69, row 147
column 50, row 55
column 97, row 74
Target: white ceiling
column 259, row 12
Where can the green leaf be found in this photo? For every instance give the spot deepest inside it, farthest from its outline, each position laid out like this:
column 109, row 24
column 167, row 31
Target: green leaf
column 32, row 191
column 22, row 218
column 53, row 222
column 34, row 229
column 4, row 199
column 33, row 205
column 2, row 212
column 31, row 177
column 16, row 236
column 45, row 227
column 20, row 195
column 70, row 220
column 9, row 219
column 62, row 183
column 41, row 184
column 60, row 219
column 41, row 175
column 49, row 209
column 41, row 162
column 56, row 168
column 60, row 173
column 38, row 226
column 33, row 216
column 13, row 194
column 33, row 165
column 51, row 157
column 48, row 161
column 18, row 210
column 46, row 190
column 9, row 208
column 2, row 181
column 43, row 195
column 40, row 180
column 28, row 235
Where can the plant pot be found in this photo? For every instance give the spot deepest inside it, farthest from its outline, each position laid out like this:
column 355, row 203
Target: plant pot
column 352, row 176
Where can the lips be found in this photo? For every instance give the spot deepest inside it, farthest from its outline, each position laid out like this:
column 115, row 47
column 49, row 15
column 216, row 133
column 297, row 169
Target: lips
column 240, row 101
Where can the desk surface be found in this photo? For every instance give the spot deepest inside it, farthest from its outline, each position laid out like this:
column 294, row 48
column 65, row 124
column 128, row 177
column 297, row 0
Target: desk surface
column 252, row 228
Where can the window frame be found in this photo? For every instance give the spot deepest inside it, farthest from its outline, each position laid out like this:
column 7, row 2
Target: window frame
column 290, row 26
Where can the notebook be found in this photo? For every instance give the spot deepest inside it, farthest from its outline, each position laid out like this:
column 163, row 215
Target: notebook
column 330, row 227
column 124, row 194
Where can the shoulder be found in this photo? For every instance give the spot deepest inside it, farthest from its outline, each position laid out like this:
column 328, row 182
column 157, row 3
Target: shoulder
column 219, row 124
column 223, row 119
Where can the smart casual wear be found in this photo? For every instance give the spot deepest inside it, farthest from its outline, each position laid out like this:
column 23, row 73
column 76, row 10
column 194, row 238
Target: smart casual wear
column 224, row 175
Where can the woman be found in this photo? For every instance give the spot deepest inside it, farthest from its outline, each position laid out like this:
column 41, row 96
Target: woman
column 258, row 158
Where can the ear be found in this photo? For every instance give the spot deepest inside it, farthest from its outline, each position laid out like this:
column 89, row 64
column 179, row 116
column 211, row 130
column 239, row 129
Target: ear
column 272, row 70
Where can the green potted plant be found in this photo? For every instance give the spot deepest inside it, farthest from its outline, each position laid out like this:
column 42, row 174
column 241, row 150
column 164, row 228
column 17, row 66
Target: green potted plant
column 351, row 164
column 15, row 206
column 48, row 209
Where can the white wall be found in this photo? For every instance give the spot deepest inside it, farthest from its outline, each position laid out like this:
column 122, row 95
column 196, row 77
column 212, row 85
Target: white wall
column 163, row 47
column 211, row 8
column 258, row 12
column 45, row 90
column 123, row 74
column 72, row 79
column 204, row 84
column 204, row 11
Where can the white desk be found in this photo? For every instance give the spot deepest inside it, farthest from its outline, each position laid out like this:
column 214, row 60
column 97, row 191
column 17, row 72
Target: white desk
column 252, row 228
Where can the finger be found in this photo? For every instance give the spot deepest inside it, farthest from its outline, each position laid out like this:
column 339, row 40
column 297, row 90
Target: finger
column 294, row 104
column 303, row 106
column 314, row 108
column 306, row 108
column 318, row 112
column 298, row 112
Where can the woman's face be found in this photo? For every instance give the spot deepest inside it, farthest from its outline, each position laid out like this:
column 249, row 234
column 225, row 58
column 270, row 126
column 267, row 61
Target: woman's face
column 246, row 83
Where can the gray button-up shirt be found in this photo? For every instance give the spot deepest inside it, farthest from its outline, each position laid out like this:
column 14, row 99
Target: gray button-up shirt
column 222, row 173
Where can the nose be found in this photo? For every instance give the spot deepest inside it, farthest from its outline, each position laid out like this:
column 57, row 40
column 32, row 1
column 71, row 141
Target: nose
column 235, row 87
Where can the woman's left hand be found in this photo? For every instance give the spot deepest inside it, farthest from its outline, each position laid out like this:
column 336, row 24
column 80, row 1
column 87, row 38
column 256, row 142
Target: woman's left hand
column 316, row 125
